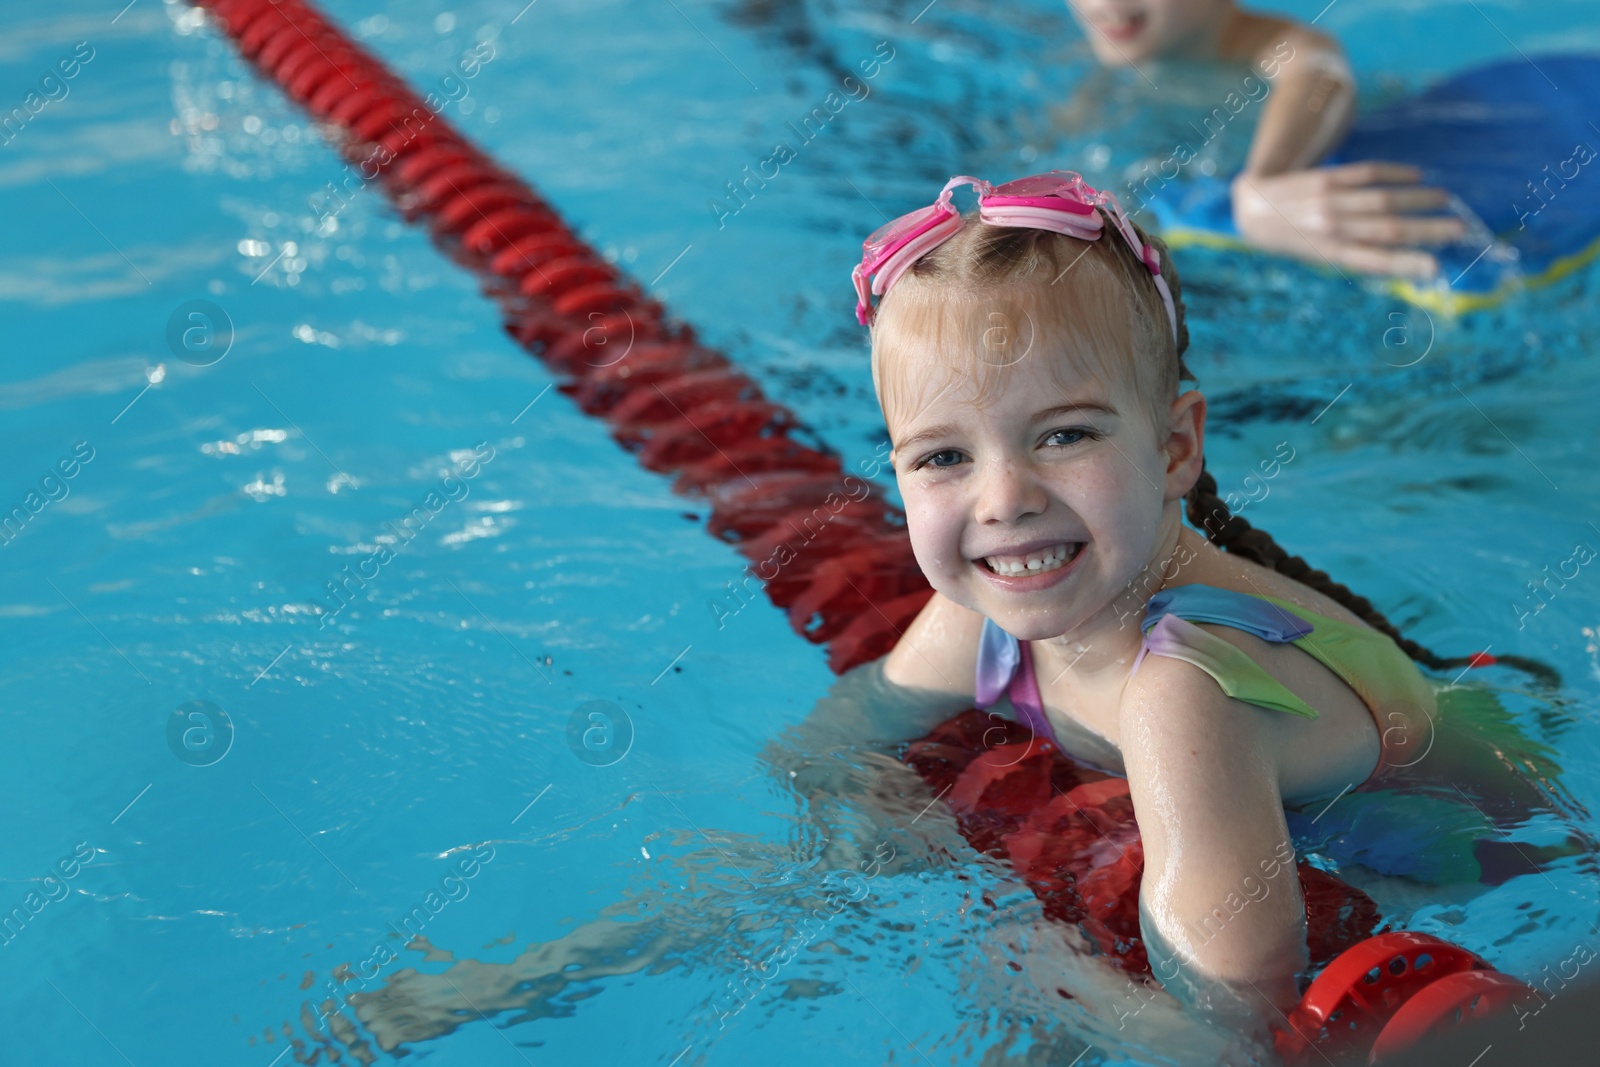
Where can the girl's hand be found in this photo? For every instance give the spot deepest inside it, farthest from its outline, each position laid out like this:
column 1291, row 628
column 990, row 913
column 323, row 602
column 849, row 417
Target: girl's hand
column 1358, row 215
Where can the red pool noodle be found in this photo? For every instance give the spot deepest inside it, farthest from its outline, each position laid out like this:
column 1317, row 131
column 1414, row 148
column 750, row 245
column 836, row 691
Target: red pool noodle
column 683, row 408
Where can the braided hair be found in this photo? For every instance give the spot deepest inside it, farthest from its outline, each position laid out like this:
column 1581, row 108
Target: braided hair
column 1232, row 534
column 1208, row 513
column 985, row 255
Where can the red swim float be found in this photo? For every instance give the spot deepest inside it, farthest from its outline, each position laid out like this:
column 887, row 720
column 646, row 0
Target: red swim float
column 850, row 579
column 1069, row 831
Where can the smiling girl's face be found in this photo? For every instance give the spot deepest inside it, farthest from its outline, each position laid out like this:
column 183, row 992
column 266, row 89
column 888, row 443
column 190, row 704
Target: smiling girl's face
column 1040, row 506
column 1040, row 445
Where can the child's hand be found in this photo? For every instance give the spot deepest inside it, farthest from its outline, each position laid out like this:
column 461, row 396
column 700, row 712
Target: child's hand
column 1357, row 215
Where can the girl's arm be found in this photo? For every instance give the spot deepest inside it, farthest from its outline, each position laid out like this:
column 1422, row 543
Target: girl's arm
column 1359, row 215
column 842, row 759
column 939, row 650
column 870, row 710
column 1220, row 901
column 1313, row 98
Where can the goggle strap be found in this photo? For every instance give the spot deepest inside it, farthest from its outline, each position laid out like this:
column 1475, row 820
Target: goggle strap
column 863, row 295
column 1166, row 300
column 891, row 269
column 1084, row 227
column 1147, row 256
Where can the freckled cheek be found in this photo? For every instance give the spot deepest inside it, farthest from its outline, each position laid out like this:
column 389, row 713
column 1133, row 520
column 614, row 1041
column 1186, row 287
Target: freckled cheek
column 1106, row 502
column 1125, row 529
column 1084, row 492
column 935, row 528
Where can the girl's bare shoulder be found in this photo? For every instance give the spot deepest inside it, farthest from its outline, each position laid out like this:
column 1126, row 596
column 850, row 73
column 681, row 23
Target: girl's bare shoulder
column 1254, row 35
column 939, row 650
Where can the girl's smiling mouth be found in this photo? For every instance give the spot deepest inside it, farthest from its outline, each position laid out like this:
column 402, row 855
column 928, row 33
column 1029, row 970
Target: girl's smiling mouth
column 1122, row 29
column 1034, row 567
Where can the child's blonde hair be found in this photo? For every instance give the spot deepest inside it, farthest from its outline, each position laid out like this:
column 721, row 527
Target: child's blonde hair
column 989, row 296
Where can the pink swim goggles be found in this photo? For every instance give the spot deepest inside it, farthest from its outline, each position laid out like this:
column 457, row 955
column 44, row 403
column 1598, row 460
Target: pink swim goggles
column 1060, row 201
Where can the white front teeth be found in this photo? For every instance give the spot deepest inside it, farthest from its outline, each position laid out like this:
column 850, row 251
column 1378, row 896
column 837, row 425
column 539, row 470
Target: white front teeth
column 1037, row 562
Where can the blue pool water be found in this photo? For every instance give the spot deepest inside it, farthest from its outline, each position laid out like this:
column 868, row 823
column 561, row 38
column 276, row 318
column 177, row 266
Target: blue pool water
column 418, row 753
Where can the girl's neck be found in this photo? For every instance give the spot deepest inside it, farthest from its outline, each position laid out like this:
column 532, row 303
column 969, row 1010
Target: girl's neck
column 1207, row 41
column 1099, row 652
column 1236, row 35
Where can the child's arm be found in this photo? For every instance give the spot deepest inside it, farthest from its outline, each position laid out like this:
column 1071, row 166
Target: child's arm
column 1359, row 215
column 928, row 677
column 841, row 758
column 1208, row 776
column 939, row 650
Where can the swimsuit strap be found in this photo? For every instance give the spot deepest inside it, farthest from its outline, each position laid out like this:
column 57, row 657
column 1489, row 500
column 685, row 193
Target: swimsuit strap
column 1236, row 674
column 1169, row 633
column 1367, row 661
column 998, row 657
column 1224, row 607
column 1005, row 665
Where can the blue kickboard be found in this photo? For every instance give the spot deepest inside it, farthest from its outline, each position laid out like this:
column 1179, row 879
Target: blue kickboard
column 1518, row 141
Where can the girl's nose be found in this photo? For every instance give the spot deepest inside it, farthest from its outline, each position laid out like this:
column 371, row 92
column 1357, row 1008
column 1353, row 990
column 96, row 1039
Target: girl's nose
column 1008, row 492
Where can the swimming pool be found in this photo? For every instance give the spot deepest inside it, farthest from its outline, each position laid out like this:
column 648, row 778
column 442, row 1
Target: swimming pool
column 430, row 735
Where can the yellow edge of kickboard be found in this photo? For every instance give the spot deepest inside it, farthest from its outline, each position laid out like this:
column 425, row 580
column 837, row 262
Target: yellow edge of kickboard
column 1183, row 237
column 1444, row 301
column 1450, row 302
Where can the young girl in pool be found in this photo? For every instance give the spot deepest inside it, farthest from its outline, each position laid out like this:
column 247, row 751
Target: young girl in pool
column 1028, row 368
column 1361, row 215
column 1028, row 362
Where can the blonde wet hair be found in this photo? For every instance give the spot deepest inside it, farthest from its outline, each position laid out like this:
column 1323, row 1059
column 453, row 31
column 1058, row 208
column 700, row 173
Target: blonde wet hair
column 992, row 296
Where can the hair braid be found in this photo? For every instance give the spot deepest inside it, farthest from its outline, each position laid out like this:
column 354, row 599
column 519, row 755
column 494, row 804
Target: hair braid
column 1232, row 534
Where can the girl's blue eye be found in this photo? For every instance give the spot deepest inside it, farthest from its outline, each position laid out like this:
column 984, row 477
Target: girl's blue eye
column 1073, row 436
column 934, row 459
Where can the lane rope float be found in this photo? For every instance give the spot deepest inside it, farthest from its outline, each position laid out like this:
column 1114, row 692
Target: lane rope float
column 839, row 558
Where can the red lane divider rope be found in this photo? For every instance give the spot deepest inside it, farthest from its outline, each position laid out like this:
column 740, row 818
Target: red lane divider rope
column 840, row 559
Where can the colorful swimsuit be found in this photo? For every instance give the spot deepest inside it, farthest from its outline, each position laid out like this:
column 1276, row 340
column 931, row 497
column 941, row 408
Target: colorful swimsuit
column 1368, row 661
column 1423, row 837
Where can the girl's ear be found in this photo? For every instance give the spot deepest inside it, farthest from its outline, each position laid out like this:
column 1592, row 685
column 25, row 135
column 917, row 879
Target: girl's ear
column 1185, row 443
